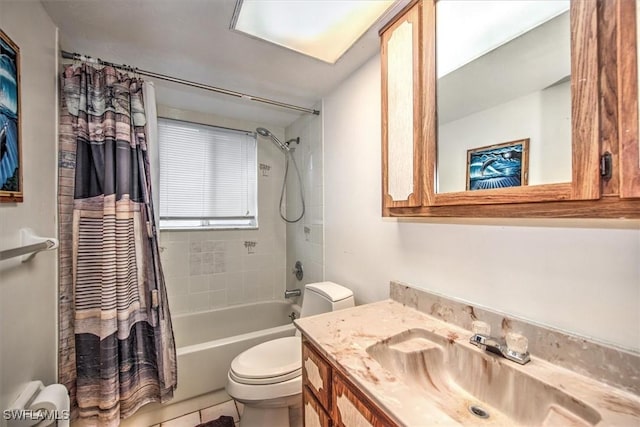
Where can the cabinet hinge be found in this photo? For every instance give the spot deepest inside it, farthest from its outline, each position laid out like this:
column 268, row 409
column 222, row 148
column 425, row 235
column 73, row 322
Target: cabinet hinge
column 605, row 166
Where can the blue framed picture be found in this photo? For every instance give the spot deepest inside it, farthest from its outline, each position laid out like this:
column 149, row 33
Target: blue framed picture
column 498, row 166
column 10, row 158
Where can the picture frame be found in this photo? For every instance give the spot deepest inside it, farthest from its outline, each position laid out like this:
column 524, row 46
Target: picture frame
column 498, row 166
column 11, row 184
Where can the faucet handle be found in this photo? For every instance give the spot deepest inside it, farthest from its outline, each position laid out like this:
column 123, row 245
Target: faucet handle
column 517, row 342
column 480, row 327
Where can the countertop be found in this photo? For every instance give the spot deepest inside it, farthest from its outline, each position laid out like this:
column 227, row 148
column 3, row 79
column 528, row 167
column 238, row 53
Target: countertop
column 344, row 336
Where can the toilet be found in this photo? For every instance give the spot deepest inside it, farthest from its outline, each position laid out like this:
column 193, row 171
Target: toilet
column 267, row 378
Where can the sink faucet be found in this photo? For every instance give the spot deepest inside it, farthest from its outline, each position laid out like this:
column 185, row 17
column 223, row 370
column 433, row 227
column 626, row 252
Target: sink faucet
column 499, row 347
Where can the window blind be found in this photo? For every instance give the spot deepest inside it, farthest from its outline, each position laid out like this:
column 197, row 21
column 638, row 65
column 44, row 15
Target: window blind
column 208, row 176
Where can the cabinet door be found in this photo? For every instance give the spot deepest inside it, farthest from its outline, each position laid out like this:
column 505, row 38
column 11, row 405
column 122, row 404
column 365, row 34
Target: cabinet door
column 401, row 55
column 316, row 374
column 314, row 414
column 351, row 409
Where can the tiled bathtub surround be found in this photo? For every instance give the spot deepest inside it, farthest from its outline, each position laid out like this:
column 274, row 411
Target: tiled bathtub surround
column 618, row 367
column 208, row 269
column 305, row 238
column 213, row 269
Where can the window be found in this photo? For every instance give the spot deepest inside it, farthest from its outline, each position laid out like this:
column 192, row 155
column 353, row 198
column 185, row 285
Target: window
column 208, row 176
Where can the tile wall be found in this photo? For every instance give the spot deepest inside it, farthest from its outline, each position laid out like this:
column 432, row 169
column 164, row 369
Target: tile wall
column 217, row 268
column 305, row 238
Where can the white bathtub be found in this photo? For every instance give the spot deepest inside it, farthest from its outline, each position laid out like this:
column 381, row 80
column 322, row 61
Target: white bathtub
column 208, row 341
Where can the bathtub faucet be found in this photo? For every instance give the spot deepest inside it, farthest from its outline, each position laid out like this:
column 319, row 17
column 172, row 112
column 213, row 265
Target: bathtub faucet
column 290, row 293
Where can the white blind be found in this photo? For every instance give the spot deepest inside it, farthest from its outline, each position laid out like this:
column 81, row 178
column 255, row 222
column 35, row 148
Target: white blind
column 208, row 175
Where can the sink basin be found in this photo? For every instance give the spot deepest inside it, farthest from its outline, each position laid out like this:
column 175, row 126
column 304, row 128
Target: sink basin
column 475, row 387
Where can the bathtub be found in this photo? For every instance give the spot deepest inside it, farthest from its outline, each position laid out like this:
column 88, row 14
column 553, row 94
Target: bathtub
column 208, row 341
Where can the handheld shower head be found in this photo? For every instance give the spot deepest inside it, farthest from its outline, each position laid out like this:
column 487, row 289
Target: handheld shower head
column 264, row 132
column 288, row 153
column 267, row 134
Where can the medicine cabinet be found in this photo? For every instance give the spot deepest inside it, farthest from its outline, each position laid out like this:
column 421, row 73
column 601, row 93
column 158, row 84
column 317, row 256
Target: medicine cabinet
column 522, row 113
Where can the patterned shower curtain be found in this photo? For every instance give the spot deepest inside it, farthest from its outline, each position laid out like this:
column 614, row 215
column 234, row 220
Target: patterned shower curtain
column 117, row 350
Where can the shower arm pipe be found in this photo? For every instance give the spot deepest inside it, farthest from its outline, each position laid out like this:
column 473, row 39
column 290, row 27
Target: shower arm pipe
column 84, row 58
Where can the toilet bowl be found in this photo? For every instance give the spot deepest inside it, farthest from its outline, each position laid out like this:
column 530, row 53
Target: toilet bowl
column 267, row 378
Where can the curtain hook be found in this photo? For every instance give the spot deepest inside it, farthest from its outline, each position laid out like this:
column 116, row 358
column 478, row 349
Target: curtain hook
column 77, row 60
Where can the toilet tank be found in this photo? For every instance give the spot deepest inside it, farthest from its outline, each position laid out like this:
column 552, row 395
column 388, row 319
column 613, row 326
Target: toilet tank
column 324, row 297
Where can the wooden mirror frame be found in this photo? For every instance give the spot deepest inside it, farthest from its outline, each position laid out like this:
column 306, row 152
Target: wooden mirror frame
column 628, row 99
column 584, row 122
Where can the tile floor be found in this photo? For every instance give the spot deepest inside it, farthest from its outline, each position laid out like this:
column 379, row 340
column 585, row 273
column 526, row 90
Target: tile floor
column 229, row 408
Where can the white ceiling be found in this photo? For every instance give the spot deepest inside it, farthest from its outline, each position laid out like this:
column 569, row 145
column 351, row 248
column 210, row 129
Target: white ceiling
column 531, row 62
column 191, row 40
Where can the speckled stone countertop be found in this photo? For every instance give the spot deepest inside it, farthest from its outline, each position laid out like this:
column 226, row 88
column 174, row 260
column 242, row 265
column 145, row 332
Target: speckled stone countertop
column 344, row 336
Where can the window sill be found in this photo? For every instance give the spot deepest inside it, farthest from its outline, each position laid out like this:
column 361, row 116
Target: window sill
column 206, row 228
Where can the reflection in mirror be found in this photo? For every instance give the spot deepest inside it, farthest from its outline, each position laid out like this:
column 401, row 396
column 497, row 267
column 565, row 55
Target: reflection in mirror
column 503, row 73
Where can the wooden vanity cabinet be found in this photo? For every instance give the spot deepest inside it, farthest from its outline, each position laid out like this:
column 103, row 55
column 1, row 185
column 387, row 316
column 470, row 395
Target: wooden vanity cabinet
column 604, row 123
column 330, row 399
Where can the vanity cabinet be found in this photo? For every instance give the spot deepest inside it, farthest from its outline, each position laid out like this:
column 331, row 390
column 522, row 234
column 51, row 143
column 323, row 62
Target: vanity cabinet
column 330, row 399
column 602, row 178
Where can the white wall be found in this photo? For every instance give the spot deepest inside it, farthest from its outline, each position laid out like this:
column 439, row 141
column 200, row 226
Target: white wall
column 543, row 116
column 582, row 276
column 28, row 292
column 213, row 268
column 305, row 237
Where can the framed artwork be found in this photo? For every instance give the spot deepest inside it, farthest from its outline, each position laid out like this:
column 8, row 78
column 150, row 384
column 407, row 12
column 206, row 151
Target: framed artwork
column 498, row 166
column 10, row 157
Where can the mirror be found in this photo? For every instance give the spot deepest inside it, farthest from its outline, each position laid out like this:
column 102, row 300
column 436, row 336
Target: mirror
column 503, row 93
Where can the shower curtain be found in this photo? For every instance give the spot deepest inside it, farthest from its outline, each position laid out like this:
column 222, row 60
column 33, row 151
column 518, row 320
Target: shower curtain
column 117, row 350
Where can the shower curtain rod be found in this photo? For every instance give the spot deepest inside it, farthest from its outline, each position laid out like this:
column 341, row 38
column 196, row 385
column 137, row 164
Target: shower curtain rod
column 85, row 58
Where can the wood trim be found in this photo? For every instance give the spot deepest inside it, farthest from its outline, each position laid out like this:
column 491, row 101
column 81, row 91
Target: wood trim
column 323, row 393
column 606, row 207
column 522, row 194
column 429, row 118
column 413, row 16
column 309, row 398
column 343, row 387
column 627, row 55
column 384, row 124
column 608, row 68
column 585, row 100
column 398, row 16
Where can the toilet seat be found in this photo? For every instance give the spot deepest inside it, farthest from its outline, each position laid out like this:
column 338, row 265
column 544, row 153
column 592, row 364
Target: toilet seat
column 271, row 362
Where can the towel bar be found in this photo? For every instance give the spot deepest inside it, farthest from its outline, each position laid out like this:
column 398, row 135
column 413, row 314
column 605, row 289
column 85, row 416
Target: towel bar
column 31, row 244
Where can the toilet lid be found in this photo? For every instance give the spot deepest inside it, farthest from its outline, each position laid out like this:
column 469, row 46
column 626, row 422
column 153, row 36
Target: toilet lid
column 270, row 359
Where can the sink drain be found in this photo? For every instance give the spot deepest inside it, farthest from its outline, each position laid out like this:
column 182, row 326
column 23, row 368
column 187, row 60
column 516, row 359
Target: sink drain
column 478, row 411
